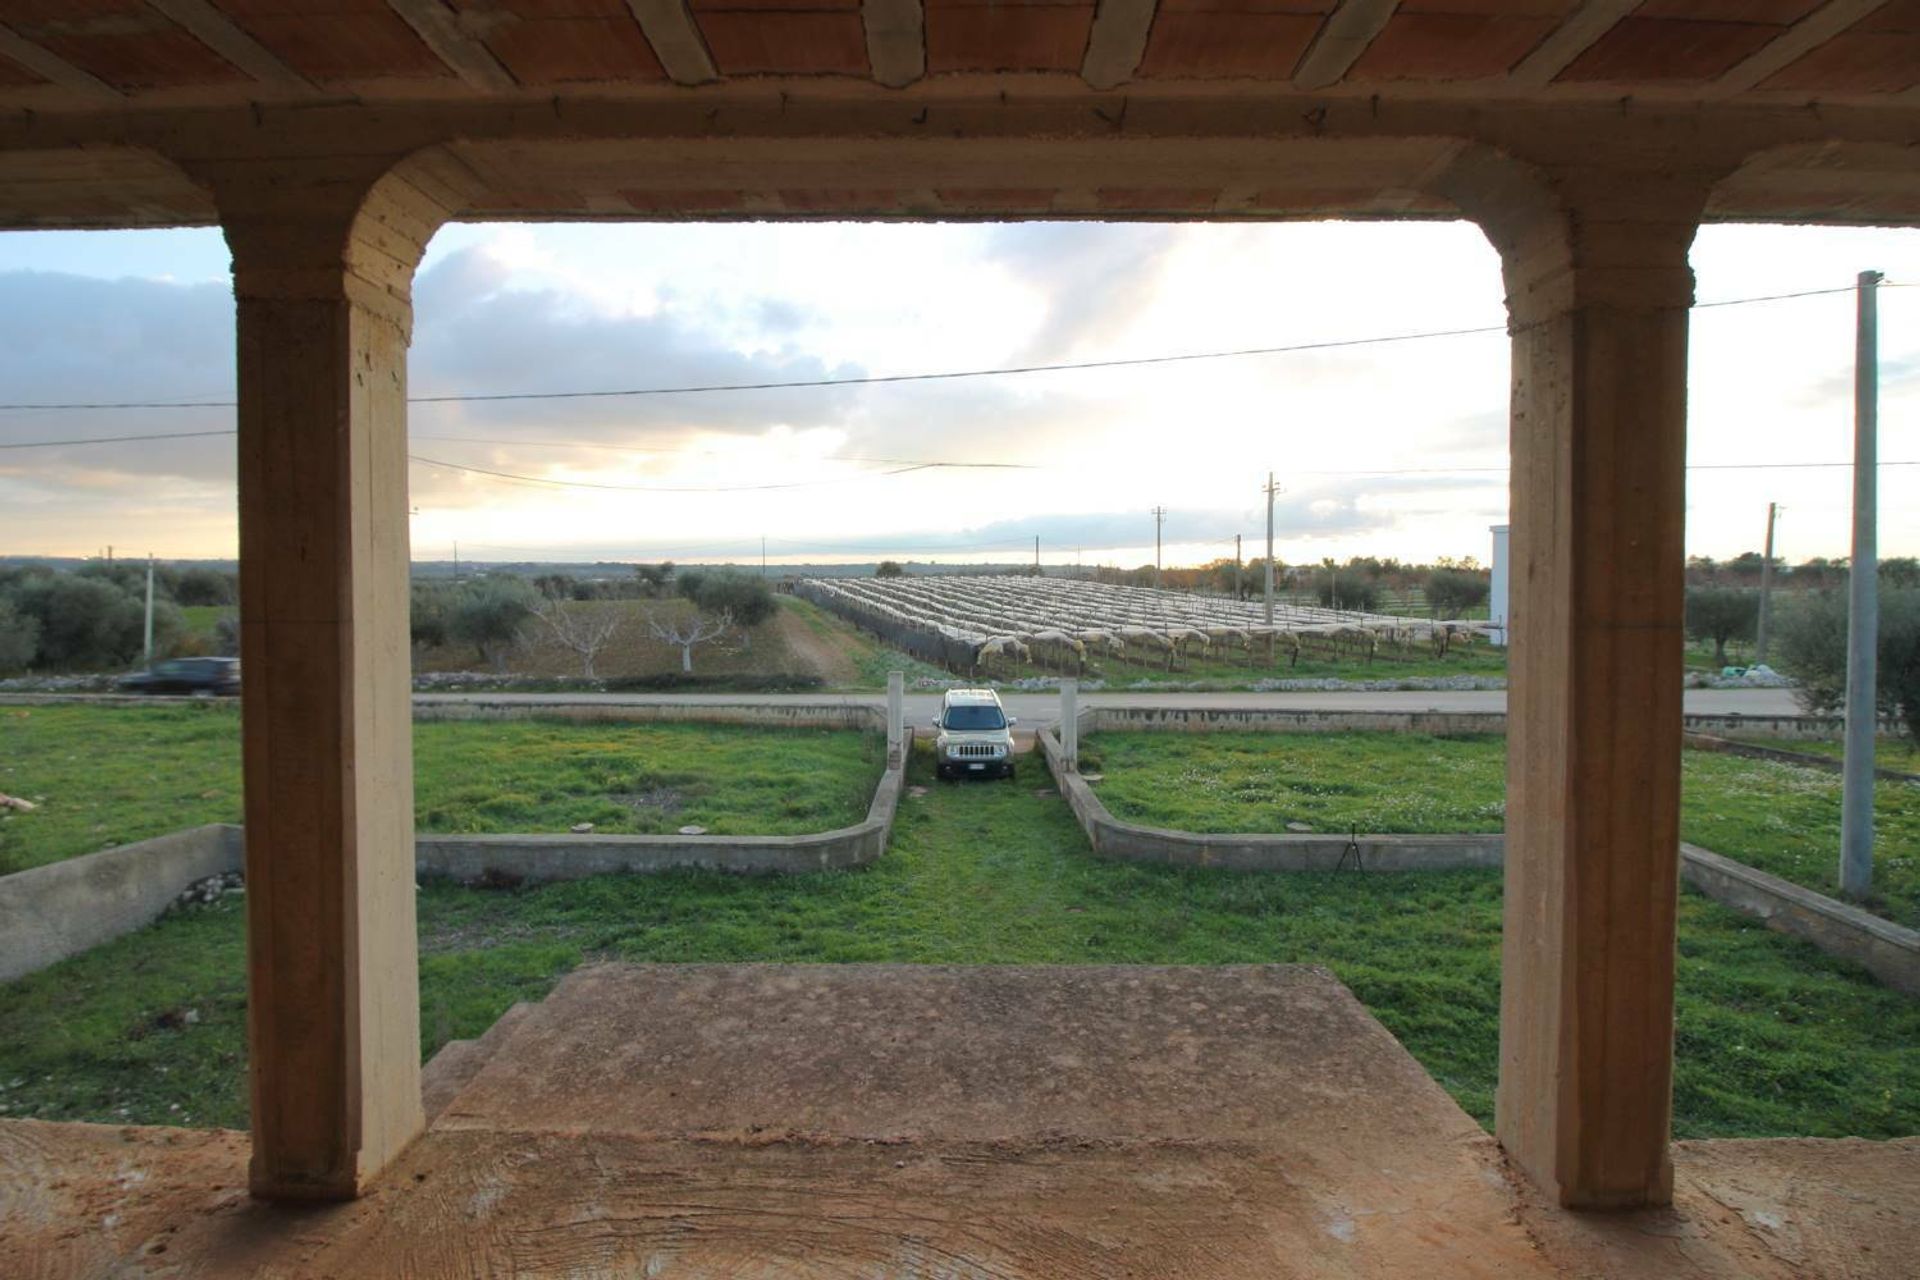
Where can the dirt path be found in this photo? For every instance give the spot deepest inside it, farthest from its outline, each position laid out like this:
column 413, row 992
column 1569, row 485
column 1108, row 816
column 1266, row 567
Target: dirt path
column 816, row 654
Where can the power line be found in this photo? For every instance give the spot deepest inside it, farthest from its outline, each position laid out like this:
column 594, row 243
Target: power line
column 1329, row 344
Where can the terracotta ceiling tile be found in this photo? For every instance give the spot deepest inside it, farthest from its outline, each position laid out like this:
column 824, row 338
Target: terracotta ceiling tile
column 1318, row 7
column 964, row 37
column 1443, row 46
column 157, row 60
column 815, row 6
column 13, row 75
column 1900, row 15
column 1855, row 62
column 562, row 50
column 337, row 39
column 1493, row 8
column 535, row 9
column 1654, row 50
column 1200, row 46
column 1782, row 13
column 765, row 42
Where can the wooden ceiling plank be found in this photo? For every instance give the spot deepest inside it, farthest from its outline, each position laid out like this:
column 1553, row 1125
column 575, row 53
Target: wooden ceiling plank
column 676, row 41
column 1569, row 40
column 1345, row 36
column 1118, row 42
column 218, row 32
column 439, row 28
column 52, row 67
column 1802, row 38
column 896, row 40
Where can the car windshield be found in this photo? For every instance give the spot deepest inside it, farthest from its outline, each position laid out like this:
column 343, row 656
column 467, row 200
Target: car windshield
column 975, row 717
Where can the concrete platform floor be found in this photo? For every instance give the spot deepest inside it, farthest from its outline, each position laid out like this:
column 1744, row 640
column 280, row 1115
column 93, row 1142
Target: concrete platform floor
column 975, row 1123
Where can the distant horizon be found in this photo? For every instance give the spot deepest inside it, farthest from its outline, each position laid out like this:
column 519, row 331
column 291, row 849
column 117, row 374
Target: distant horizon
column 1393, row 449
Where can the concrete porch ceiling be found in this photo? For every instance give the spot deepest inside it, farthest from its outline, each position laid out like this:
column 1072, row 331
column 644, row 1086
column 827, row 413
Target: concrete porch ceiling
column 612, row 108
column 60, row 55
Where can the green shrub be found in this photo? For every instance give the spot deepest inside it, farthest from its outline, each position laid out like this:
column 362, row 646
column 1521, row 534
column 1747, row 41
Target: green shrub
column 1721, row 614
column 1811, row 646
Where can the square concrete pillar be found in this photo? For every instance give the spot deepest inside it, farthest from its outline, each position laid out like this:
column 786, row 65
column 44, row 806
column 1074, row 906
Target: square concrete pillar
column 1594, row 710
column 333, row 998
column 1070, row 725
column 896, row 716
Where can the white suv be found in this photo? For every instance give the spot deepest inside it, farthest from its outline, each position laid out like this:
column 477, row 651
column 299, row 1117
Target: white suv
column 976, row 735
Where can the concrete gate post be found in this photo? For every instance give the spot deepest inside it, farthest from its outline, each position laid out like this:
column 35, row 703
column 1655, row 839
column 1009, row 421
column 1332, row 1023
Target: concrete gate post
column 1070, row 724
column 322, row 273
column 896, row 716
column 1598, row 299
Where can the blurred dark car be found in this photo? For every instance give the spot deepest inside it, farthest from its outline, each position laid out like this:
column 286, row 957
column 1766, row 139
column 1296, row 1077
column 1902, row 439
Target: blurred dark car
column 186, row 675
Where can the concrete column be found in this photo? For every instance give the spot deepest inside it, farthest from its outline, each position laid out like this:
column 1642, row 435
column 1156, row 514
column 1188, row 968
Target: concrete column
column 1599, row 310
column 321, row 277
column 1070, row 724
column 896, row 716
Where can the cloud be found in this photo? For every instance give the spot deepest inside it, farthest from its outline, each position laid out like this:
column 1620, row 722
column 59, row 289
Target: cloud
column 1092, row 279
column 1895, row 372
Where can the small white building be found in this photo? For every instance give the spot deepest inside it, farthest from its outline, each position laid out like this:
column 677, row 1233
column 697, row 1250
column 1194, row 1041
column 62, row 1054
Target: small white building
column 1497, row 596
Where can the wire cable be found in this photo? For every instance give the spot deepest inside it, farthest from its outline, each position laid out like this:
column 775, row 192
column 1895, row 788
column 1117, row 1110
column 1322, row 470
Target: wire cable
column 1330, row 344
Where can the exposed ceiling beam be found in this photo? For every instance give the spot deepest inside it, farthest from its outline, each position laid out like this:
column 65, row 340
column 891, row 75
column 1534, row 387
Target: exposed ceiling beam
column 52, row 67
column 215, row 30
column 896, row 40
column 453, row 44
column 1344, row 36
column 676, row 41
column 1804, row 36
column 1569, row 40
column 1118, row 42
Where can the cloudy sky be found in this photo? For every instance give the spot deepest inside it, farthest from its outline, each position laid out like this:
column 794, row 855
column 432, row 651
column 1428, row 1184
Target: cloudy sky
column 1393, row 449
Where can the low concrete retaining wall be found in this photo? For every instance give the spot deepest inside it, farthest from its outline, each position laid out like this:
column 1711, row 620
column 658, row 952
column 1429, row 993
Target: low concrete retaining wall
column 470, row 859
column 1805, row 759
column 1439, row 723
column 1889, row 951
column 858, row 716
column 1236, row 720
column 1113, row 838
column 59, row 910
column 50, row 913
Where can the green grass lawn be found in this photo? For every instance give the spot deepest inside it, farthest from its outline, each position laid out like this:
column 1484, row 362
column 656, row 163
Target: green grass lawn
column 1782, row 818
column 103, row 776
column 1233, row 671
column 1774, row 1037
column 1888, row 752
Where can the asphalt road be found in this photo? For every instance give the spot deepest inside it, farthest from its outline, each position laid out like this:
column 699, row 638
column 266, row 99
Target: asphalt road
column 1043, row 707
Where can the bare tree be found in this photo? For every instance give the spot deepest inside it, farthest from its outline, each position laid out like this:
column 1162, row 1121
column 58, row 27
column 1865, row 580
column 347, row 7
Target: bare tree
column 581, row 631
column 687, row 632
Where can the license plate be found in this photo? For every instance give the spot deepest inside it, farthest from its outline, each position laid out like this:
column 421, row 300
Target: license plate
column 976, row 765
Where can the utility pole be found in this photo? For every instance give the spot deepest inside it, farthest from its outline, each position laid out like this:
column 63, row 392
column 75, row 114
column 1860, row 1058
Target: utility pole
column 1863, row 602
column 1766, row 590
column 763, row 555
column 1159, row 518
column 149, row 609
column 1270, row 490
column 1036, row 555
column 1236, row 566
column 456, row 561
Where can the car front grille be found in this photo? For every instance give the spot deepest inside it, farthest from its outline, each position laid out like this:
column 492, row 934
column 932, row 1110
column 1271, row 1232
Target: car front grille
column 974, row 751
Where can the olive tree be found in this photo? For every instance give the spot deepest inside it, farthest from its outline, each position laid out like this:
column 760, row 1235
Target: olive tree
column 1811, row 645
column 1721, row 614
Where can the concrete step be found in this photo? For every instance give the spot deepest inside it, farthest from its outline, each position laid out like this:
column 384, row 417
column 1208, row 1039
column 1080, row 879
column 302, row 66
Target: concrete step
column 459, row 1061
